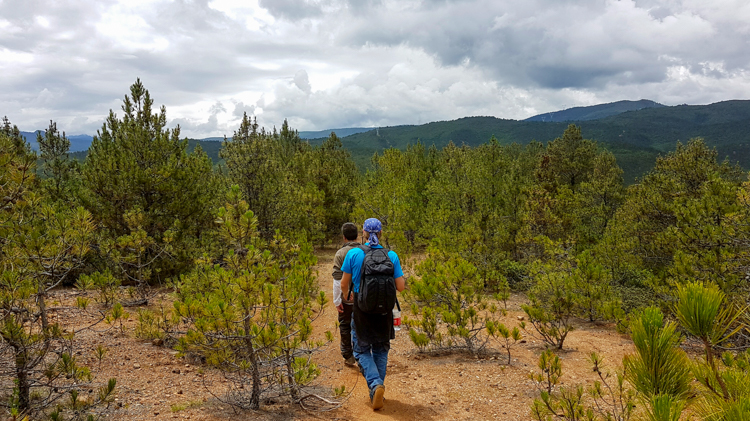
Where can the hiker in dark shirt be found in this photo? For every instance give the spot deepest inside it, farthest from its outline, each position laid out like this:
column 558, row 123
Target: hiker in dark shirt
column 371, row 333
column 343, row 306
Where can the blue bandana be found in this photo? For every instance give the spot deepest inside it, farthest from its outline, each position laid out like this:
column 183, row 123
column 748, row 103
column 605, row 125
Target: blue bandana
column 373, row 227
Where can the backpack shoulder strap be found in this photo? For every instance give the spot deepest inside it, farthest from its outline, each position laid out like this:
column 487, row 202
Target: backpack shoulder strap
column 365, row 249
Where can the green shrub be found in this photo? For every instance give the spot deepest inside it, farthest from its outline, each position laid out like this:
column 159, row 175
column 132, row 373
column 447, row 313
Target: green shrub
column 597, row 299
column 552, row 305
column 158, row 325
column 448, row 304
column 659, row 370
column 504, row 336
column 607, row 399
column 251, row 317
column 106, row 286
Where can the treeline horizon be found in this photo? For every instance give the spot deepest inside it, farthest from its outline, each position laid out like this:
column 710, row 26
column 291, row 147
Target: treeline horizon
column 636, row 137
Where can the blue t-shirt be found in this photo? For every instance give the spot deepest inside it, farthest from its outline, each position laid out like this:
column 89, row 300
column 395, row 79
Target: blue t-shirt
column 353, row 264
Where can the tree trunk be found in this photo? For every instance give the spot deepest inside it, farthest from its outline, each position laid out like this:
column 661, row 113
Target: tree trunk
column 24, row 387
column 507, row 348
column 712, row 364
column 255, row 393
column 42, row 307
column 290, row 376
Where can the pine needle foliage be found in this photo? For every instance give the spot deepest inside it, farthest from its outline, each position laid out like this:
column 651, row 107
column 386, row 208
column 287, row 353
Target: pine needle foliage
column 506, row 337
column 553, row 302
column 251, row 316
column 702, row 312
column 607, row 399
column 138, row 168
column 725, row 391
column 291, row 187
column 682, row 222
column 664, row 408
column 394, row 190
column 593, row 284
column 61, row 173
column 42, row 243
column 659, row 370
column 448, row 305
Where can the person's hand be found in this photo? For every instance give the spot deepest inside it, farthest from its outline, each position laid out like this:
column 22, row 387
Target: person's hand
column 340, row 308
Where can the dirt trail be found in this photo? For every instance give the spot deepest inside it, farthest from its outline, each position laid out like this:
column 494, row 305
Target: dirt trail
column 460, row 387
column 155, row 385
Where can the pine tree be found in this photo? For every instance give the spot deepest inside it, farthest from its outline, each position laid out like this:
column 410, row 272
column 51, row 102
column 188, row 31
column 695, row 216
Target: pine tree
column 448, row 304
column 394, row 191
column 568, row 160
column 553, row 303
column 336, row 177
column 578, row 189
column 251, row 317
column 659, row 370
column 59, row 171
column 593, row 284
column 42, row 243
column 260, row 164
column 681, row 222
column 138, row 166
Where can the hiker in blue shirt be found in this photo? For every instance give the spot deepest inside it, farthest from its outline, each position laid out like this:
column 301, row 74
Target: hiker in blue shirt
column 371, row 333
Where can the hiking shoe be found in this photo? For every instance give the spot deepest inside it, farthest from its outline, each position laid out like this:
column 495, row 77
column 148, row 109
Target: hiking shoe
column 377, row 397
column 351, row 361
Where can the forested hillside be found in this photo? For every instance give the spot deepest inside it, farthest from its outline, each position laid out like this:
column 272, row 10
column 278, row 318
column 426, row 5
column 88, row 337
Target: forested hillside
column 339, row 132
column 636, row 138
column 233, row 247
column 594, row 112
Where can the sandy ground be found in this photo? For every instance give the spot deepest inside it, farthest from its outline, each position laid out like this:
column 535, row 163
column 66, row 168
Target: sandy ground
column 155, row 385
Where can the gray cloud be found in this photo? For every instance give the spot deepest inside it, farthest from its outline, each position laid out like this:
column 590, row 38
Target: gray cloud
column 240, row 109
column 292, row 9
column 197, row 129
column 553, row 44
column 302, row 81
column 337, row 63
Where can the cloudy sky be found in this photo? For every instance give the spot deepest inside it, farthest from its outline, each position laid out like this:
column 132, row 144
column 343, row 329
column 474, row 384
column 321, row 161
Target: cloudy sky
column 360, row 63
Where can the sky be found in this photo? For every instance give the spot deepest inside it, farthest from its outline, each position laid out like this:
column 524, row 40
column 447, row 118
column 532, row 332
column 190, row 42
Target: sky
column 325, row 64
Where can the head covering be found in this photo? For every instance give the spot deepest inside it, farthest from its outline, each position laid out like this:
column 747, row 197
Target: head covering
column 373, row 227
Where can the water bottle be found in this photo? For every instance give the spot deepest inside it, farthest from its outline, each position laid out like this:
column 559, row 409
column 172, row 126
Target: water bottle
column 396, row 319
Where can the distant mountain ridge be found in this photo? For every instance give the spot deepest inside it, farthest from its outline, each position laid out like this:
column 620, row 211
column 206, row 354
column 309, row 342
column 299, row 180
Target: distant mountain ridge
column 595, row 112
column 82, row 142
column 339, row 132
column 78, row 143
column 636, row 138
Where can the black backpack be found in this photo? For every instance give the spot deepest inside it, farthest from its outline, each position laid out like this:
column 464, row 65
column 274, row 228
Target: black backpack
column 377, row 286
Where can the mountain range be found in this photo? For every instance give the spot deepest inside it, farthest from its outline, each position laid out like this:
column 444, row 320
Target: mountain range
column 636, row 132
column 594, row 112
column 81, row 142
column 78, row 143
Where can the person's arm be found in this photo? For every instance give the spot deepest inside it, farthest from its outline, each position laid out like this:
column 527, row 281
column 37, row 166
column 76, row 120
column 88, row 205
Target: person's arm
column 345, row 281
column 400, row 283
column 338, row 260
column 337, row 295
column 398, row 273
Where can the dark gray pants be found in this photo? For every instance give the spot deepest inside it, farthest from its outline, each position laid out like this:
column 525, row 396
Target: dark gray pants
column 345, row 328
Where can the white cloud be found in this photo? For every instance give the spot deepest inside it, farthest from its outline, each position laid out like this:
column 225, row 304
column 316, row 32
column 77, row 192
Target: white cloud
column 338, row 63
